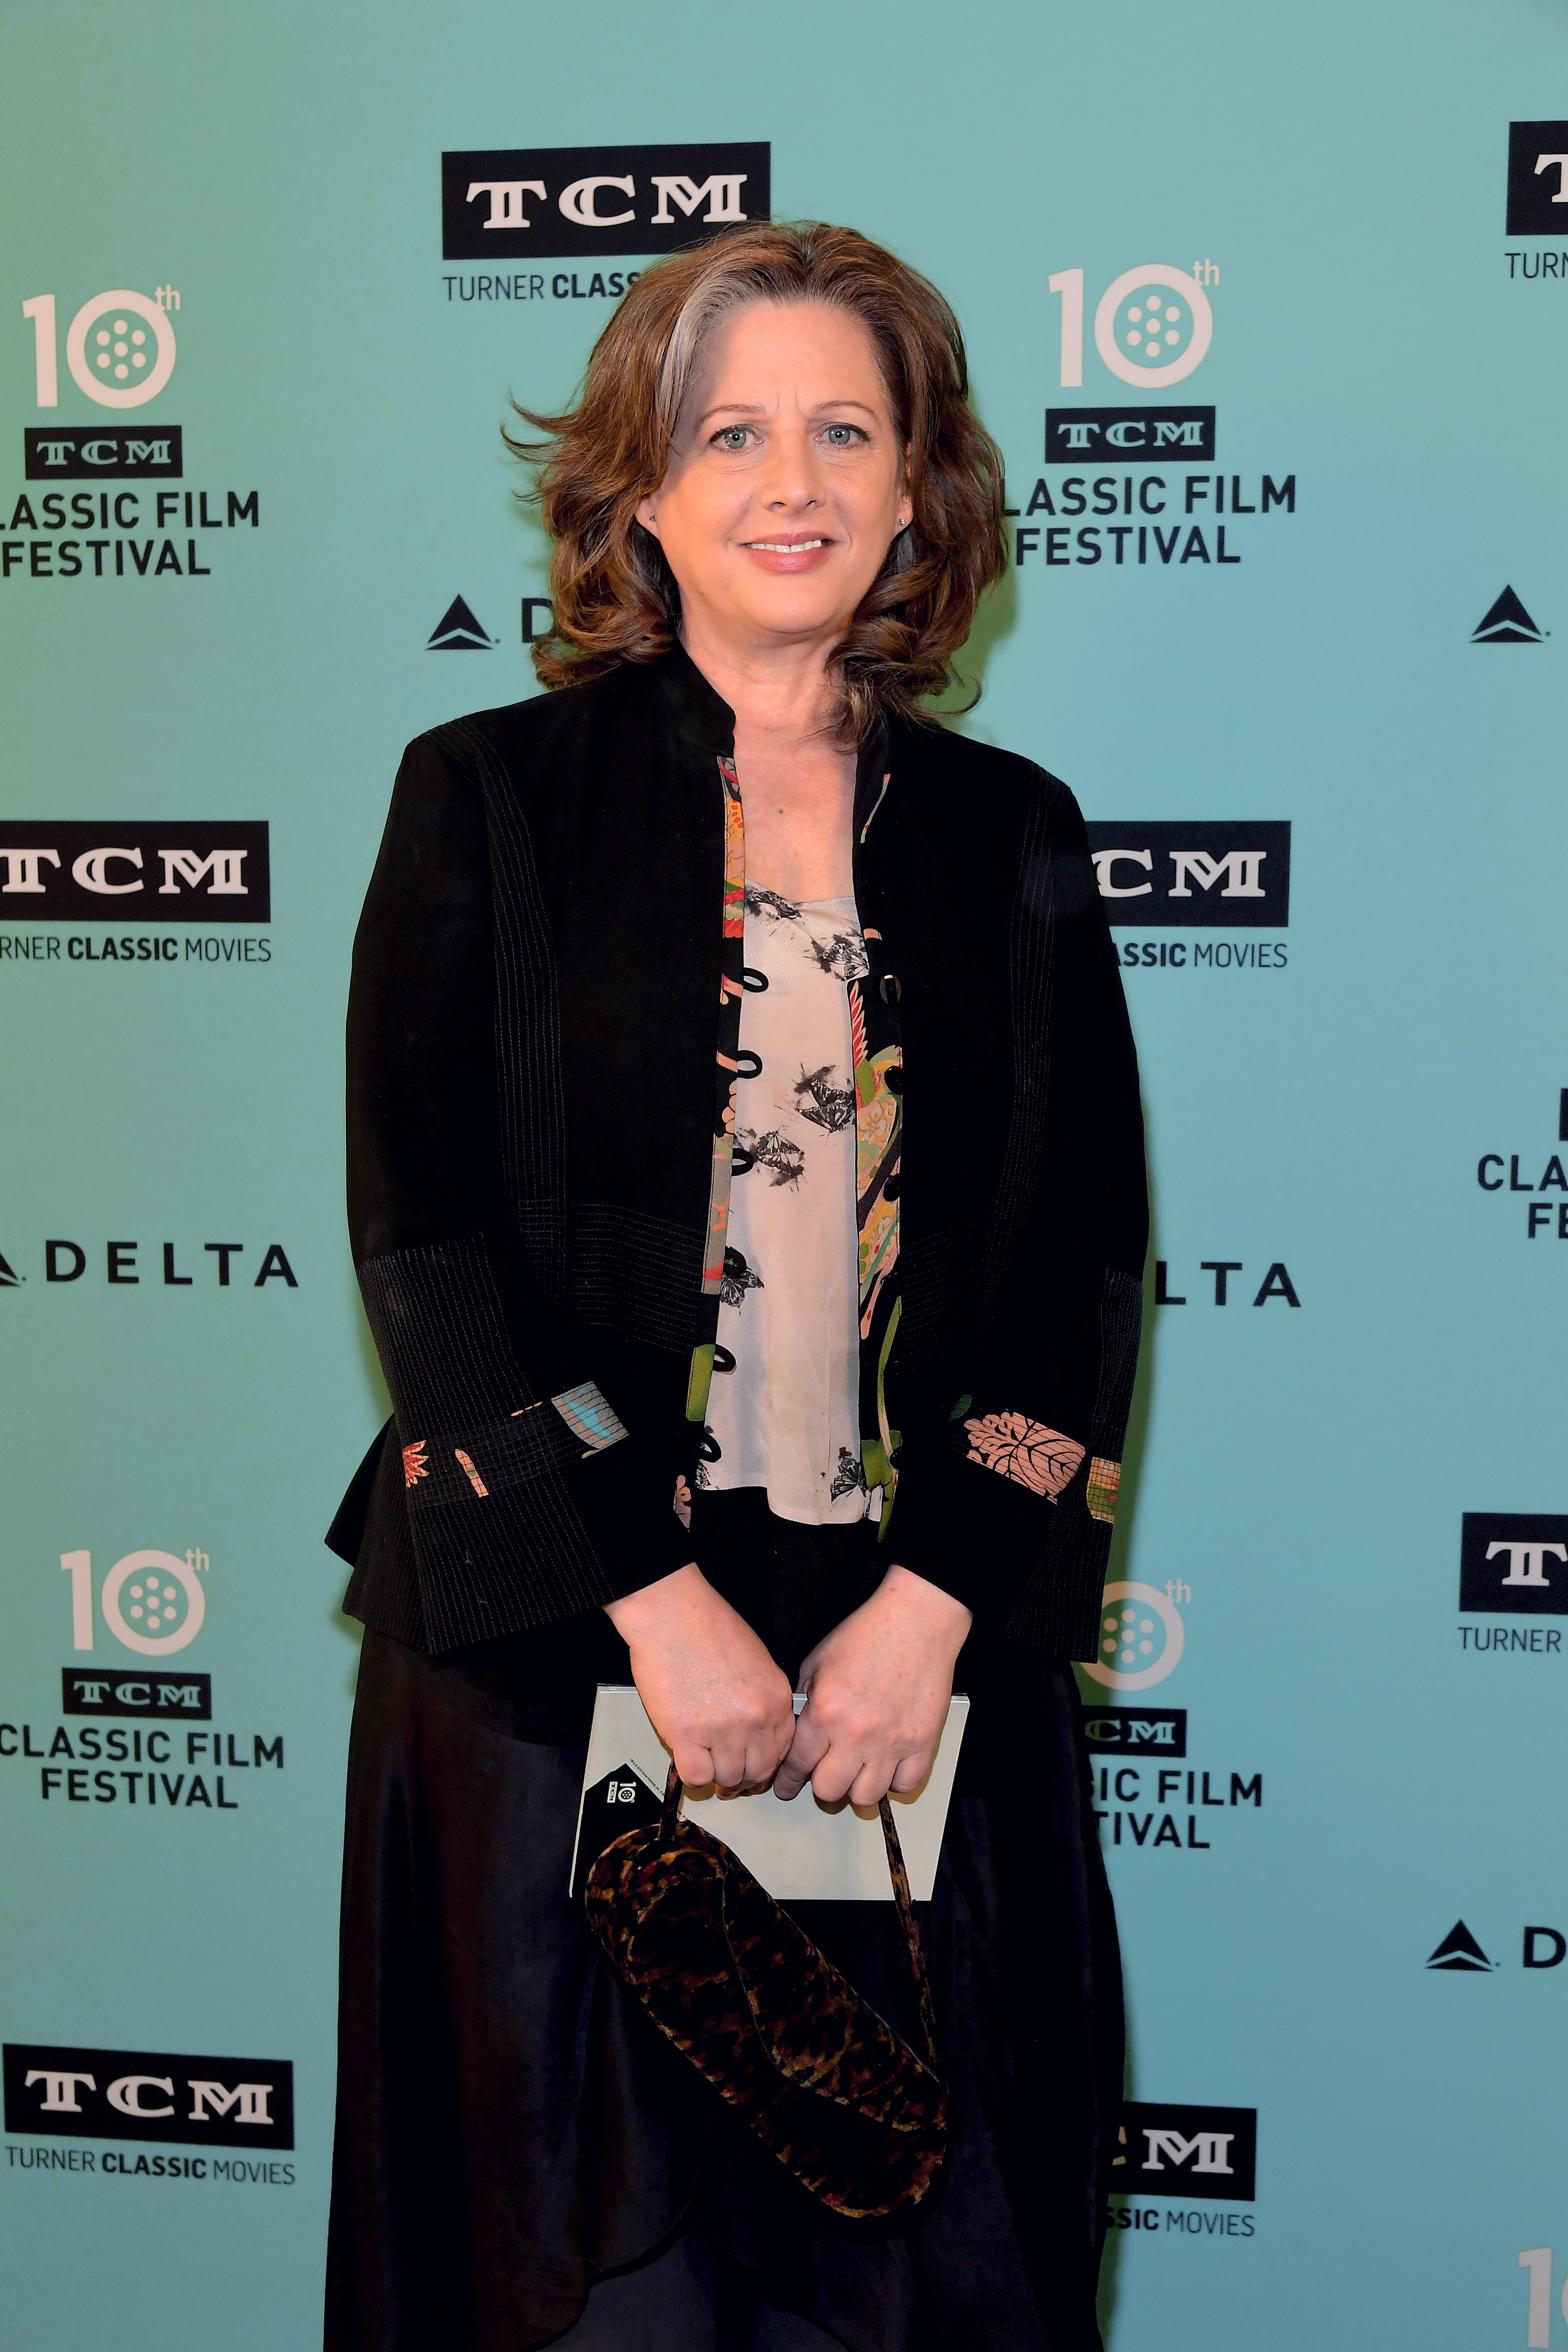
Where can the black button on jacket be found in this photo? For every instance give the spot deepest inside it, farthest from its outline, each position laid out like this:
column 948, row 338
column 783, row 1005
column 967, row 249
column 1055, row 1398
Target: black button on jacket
column 544, row 983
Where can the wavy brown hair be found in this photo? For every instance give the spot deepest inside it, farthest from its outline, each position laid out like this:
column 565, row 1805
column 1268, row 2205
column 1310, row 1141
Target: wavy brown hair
column 613, row 596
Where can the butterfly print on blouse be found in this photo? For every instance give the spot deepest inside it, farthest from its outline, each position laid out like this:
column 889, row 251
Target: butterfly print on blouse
column 783, row 1159
column 736, row 1279
column 850, row 1479
column 822, row 1103
column 842, row 957
column 768, row 902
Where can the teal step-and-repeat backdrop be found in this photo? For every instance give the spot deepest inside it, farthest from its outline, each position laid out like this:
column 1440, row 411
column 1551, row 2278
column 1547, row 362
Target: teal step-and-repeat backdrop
column 1269, row 311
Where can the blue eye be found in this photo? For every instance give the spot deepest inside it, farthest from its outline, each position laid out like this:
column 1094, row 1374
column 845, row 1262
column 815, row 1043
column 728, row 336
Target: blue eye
column 843, row 436
column 732, row 437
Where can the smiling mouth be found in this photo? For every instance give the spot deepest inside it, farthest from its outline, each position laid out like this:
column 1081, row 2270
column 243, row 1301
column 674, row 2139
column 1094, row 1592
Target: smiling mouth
column 784, row 546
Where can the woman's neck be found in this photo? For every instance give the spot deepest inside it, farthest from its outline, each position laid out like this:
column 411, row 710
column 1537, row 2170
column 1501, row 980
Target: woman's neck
column 797, row 782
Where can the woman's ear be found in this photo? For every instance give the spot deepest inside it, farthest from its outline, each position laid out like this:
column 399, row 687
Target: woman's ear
column 645, row 514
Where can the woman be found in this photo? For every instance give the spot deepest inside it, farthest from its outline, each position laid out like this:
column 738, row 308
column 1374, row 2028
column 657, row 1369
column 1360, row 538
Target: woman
column 700, row 1379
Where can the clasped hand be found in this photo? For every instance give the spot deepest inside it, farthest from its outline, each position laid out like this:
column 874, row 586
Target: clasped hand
column 877, row 1688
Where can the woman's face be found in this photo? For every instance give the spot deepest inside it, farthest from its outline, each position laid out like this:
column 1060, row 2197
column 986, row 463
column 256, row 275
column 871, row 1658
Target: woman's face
column 784, row 484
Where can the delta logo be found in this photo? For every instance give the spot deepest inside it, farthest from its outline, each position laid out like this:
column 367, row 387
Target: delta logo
column 1507, row 624
column 1460, row 1954
column 459, row 629
column 458, row 632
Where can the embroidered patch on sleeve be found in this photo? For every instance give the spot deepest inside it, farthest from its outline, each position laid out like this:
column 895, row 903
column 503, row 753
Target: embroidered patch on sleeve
column 1104, row 1477
column 590, row 1415
column 1024, row 1451
column 465, row 1464
column 460, row 1466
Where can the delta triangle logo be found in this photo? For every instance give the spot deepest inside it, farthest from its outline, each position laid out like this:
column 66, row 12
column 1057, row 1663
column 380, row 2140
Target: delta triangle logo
column 457, row 632
column 9, row 1278
column 1459, row 1950
column 1508, row 623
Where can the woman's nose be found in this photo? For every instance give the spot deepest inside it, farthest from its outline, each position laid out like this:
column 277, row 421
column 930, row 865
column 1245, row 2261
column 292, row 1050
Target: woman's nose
column 793, row 474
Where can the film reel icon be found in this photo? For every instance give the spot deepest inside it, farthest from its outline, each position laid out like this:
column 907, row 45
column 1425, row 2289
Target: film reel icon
column 120, row 348
column 1141, row 1637
column 164, row 1609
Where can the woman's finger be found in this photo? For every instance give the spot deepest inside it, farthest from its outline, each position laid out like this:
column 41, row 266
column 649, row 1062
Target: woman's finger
column 843, row 1765
column 806, row 1751
column 872, row 1781
column 913, row 1773
column 729, row 1762
column 694, row 1764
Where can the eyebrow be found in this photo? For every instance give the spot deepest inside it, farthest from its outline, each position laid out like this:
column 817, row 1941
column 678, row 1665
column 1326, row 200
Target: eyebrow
column 753, row 408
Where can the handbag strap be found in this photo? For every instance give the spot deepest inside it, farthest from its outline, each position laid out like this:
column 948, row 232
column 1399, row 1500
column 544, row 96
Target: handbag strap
column 673, row 1791
column 915, row 1950
column 901, row 1879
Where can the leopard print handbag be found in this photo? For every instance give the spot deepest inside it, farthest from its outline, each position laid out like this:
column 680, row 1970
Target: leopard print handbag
column 828, row 2087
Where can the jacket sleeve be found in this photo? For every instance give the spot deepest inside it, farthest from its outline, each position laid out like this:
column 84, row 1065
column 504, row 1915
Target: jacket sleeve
column 528, row 1499
column 1012, row 1506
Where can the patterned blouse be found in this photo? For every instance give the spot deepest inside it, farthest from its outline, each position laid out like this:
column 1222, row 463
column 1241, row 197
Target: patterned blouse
column 783, row 1411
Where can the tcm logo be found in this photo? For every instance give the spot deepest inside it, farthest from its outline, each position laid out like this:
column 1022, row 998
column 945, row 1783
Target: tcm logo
column 1514, row 1560
column 533, row 202
column 1216, row 875
column 149, row 2094
column 89, row 455
column 1165, row 2151
column 120, row 347
column 1126, row 437
column 55, row 871
column 162, row 1698
column 1137, row 1730
column 152, row 1601
column 1537, row 180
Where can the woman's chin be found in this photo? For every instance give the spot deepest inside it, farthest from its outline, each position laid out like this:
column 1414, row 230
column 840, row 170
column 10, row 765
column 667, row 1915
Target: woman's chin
column 791, row 609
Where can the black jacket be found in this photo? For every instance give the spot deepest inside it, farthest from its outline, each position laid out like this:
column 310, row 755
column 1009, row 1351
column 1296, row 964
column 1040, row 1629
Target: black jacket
column 541, row 978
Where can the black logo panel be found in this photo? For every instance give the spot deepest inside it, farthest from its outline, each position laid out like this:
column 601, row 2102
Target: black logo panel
column 1209, row 875
column 1185, row 2152
column 523, row 204
column 1128, row 436
column 119, row 870
column 1538, row 179
column 150, row 2094
column 87, row 453
column 1515, row 1561
column 1137, row 1730
column 167, row 1696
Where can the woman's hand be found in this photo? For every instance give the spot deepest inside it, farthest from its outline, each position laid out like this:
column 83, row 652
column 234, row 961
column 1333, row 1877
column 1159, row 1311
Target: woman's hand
column 712, row 1691
column 878, row 1689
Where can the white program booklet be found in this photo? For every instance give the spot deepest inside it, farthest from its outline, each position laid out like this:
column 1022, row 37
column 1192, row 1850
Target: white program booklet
column 801, row 1851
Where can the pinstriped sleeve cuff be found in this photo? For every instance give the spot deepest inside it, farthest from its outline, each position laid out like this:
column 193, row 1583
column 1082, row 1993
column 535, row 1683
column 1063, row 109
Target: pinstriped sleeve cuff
column 520, row 1509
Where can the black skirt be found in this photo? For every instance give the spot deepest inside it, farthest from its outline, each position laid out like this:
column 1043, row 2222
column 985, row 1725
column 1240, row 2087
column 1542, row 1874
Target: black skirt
column 522, row 2160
